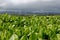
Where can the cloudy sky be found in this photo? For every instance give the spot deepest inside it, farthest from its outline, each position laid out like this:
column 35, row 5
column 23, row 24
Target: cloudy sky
column 30, row 4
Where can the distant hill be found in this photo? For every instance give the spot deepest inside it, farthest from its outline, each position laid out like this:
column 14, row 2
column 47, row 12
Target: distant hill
column 29, row 12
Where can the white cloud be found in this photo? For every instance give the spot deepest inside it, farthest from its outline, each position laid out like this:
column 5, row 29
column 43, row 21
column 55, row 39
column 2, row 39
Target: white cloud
column 3, row 4
column 24, row 1
column 46, row 0
column 17, row 2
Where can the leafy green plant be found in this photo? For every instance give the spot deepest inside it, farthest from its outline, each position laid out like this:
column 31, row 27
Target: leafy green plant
column 29, row 27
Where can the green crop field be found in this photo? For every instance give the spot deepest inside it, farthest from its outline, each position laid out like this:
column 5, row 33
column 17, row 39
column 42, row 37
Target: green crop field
column 31, row 27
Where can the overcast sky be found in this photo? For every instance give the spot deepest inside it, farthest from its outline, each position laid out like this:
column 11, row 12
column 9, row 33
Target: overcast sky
column 30, row 4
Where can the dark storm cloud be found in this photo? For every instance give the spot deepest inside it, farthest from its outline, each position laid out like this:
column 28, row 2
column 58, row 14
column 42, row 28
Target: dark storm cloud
column 37, row 5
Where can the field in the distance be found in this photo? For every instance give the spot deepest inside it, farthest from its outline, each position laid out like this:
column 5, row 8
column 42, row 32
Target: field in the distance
column 33, row 27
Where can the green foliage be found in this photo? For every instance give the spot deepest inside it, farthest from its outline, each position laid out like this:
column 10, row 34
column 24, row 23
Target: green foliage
column 29, row 27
